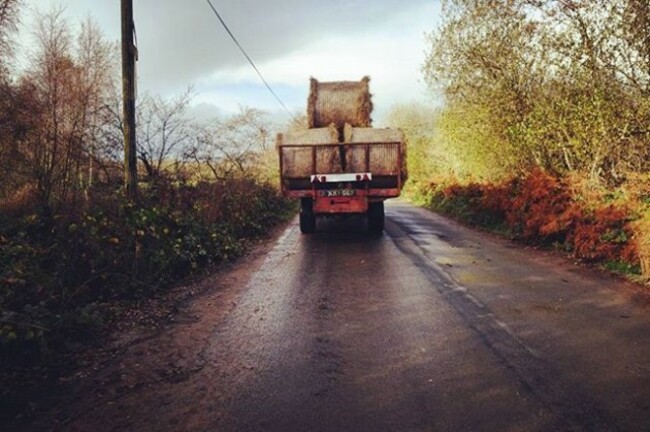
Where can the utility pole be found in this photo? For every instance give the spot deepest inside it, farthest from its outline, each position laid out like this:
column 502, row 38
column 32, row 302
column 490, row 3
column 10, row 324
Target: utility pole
column 129, row 56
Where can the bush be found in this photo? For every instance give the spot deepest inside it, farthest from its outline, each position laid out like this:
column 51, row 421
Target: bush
column 58, row 269
column 545, row 210
column 604, row 236
column 540, row 209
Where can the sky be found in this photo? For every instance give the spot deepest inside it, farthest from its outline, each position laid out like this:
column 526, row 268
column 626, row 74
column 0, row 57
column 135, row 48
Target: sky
column 182, row 44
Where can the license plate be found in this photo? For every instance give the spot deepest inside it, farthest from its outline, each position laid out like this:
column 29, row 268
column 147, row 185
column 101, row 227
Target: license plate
column 337, row 193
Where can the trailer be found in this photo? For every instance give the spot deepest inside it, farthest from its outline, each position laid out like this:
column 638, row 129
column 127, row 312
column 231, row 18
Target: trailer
column 344, row 167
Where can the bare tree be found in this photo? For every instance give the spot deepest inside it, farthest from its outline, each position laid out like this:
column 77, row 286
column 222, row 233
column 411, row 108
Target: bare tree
column 55, row 76
column 164, row 130
column 10, row 103
column 8, row 25
column 73, row 80
column 234, row 146
column 97, row 59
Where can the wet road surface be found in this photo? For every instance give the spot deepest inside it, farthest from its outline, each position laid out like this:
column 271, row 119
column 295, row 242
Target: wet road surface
column 433, row 327
column 430, row 327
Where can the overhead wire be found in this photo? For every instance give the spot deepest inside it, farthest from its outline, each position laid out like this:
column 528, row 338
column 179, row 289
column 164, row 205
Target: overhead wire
column 250, row 60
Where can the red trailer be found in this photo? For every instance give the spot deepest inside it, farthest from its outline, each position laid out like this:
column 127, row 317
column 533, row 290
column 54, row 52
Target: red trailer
column 340, row 165
column 370, row 173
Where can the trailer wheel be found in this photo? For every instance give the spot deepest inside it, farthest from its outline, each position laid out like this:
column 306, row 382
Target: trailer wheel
column 376, row 217
column 307, row 216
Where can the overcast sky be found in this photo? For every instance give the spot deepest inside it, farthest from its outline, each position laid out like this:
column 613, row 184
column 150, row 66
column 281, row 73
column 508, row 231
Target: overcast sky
column 182, row 43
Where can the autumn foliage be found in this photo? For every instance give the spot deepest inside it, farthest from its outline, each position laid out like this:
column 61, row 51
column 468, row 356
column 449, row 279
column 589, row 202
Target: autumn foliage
column 546, row 109
column 543, row 209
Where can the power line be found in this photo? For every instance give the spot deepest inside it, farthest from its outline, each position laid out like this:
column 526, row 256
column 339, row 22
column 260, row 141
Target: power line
column 234, row 39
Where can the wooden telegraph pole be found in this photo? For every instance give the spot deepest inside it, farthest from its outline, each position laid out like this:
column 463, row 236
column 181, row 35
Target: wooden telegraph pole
column 129, row 56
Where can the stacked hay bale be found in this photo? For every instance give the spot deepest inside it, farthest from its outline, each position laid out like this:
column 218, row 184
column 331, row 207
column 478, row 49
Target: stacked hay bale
column 331, row 105
column 298, row 162
column 340, row 113
column 378, row 157
column 339, row 103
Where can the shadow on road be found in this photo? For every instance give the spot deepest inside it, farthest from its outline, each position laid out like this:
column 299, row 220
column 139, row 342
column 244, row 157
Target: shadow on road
column 343, row 229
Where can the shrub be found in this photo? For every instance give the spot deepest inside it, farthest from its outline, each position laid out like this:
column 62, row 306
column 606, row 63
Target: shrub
column 543, row 209
column 58, row 269
column 604, row 235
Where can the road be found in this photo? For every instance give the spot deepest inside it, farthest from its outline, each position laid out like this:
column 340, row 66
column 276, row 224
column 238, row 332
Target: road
column 430, row 327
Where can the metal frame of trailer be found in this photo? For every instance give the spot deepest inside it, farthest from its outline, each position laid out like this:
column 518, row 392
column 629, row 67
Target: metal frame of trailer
column 345, row 192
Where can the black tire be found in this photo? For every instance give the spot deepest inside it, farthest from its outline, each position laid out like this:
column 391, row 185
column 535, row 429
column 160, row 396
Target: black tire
column 307, row 216
column 376, row 217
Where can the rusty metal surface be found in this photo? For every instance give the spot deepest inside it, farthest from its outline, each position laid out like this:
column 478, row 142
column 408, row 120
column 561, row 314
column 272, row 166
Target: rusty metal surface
column 358, row 204
column 377, row 193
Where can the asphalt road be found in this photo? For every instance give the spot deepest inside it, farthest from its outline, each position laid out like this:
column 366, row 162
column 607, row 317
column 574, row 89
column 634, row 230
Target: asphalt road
column 433, row 327
column 430, row 327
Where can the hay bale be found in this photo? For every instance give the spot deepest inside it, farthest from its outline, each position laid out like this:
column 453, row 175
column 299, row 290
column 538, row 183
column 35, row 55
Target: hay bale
column 326, row 135
column 383, row 158
column 328, row 160
column 338, row 103
column 353, row 134
column 297, row 162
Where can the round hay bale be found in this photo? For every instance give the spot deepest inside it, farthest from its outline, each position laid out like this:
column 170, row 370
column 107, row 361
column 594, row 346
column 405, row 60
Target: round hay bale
column 338, row 103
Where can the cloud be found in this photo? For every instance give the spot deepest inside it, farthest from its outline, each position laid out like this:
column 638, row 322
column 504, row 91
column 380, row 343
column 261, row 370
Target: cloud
column 182, row 43
column 184, row 40
column 391, row 52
